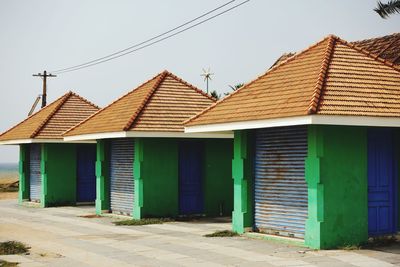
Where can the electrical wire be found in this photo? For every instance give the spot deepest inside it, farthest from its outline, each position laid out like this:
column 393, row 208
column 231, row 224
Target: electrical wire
column 148, row 40
column 146, row 43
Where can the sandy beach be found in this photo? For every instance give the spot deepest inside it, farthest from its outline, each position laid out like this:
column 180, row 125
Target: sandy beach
column 4, row 182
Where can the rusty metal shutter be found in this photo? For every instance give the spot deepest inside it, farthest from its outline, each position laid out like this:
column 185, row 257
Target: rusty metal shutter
column 35, row 177
column 121, row 176
column 281, row 197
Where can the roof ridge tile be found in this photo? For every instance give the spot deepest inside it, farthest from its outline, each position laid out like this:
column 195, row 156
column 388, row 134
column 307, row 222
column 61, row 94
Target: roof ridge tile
column 85, row 100
column 106, row 107
column 34, row 114
column 41, row 125
column 376, row 38
column 370, row 54
column 191, row 86
column 259, row 77
column 131, row 120
column 322, row 75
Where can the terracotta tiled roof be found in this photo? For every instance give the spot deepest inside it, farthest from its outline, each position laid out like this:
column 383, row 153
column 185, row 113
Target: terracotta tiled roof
column 386, row 47
column 160, row 104
column 53, row 120
column 331, row 77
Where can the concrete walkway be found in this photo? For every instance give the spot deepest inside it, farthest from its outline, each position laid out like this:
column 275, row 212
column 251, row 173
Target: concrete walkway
column 59, row 237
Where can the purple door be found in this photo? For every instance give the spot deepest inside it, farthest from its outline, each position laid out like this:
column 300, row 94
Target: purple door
column 190, row 177
column 382, row 171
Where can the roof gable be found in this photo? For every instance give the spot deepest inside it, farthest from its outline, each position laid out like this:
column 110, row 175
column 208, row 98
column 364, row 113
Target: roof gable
column 51, row 121
column 317, row 80
column 160, row 104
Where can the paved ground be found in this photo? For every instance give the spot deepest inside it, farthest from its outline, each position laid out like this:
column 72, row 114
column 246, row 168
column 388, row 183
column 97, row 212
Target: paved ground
column 59, row 237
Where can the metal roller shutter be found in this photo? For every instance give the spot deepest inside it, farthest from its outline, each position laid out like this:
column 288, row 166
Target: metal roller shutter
column 35, row 177
column 281, row 197
column 121, row 176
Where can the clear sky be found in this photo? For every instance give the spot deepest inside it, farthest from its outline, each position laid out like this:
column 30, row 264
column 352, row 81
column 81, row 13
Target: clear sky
column 238, row 46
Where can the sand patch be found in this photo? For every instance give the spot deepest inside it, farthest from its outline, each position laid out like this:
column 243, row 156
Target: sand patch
column 8, row 195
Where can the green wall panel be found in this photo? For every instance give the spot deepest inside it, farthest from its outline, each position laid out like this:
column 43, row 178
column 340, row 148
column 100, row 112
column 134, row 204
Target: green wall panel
column 156, row 174
column 159, row 175
column 23, row 170
column 218, row 182
column 336, row 174
column 58, row 168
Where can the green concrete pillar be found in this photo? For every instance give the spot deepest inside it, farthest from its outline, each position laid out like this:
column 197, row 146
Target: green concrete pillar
column 315, row 188
column 138, row 178
column 242, row 172
column 102, row 177
column 23, row 193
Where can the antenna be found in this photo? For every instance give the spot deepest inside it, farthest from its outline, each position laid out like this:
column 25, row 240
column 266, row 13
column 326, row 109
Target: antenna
column 44, row 77
column 207, row 76
column 34, row 105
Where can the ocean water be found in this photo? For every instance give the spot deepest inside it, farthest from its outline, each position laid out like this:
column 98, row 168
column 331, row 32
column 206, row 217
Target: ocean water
column 8, row 170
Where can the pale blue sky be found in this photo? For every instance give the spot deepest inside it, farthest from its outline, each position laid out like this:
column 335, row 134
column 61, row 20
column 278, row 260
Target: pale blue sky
column 238, row 46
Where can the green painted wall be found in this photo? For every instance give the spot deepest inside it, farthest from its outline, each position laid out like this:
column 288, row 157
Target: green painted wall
column 102, row 177
column 58, row 169
column 156, row 174
column 243, row 176
column 23, row 194
column 218, row 182
column 336, row 174
column 159, row 173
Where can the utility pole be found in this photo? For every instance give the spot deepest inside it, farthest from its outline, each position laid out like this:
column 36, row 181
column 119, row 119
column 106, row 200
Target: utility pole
column 44, row 76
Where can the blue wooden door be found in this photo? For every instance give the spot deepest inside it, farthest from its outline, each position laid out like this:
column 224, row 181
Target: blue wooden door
column 190, row 177
column 382, row 191
column 86, row 174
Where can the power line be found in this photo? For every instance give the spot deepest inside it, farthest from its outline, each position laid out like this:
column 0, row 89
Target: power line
column 142, row 46
column 146, row 41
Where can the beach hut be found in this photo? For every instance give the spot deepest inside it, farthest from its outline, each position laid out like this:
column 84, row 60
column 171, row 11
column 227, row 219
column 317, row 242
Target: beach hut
column 51, row 171
column 146, row 165
column 316, row 146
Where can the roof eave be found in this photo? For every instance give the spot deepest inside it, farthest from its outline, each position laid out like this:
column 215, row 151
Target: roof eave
column 35, row 141
column 344, row 120
column 147, row 134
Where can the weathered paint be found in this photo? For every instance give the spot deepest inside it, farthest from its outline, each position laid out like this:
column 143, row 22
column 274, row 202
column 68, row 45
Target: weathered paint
column 243, row 177
column 218, row 182
column 58, row 168
column 336, row 174
column 102, row 177
column 23, row 194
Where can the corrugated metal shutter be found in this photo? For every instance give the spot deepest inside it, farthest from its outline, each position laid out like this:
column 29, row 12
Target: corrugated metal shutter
column 35, row 177
column 281, row 198
column 121, row 176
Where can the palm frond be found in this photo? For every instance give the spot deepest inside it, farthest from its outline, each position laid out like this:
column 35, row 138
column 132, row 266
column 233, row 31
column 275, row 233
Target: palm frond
column 385, row 10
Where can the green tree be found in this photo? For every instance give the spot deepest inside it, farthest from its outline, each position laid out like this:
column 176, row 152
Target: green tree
column 234, row 88
column 215, row 94
column 390, row 8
